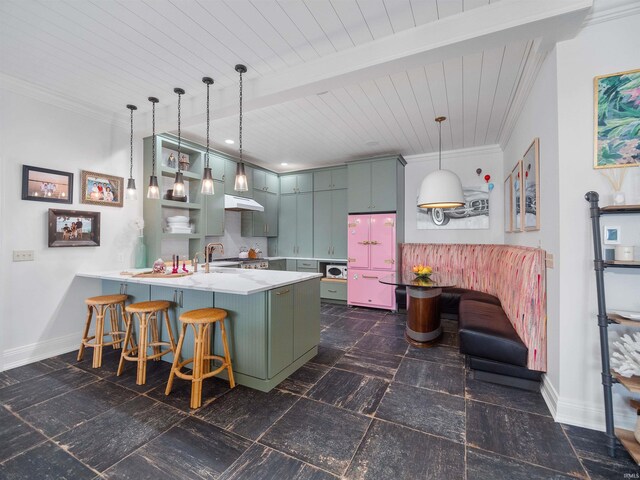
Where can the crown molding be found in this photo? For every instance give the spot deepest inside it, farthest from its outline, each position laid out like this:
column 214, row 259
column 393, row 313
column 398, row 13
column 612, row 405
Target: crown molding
column 50, row 97
column 462, row 153
column 607, row 10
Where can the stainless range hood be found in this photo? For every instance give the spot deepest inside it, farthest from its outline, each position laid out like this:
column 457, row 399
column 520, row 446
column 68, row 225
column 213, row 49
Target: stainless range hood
column 239, row 204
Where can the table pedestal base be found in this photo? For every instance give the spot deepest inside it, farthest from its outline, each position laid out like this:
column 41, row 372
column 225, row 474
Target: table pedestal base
column 423, row 316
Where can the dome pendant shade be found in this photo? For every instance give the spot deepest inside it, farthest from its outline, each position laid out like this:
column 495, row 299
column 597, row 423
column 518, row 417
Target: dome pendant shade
column 441, row 189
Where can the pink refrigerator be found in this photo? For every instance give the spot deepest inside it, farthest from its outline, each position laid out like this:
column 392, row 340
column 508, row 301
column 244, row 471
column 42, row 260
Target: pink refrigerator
column 371, row 247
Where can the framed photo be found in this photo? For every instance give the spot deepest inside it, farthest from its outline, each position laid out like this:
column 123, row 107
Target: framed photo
column 72, row 228
column 101, row 189
column 516, row 197
column 508, row 193
column 46, row 185
column 616, row 120
column 531, row 197
column 611, row 235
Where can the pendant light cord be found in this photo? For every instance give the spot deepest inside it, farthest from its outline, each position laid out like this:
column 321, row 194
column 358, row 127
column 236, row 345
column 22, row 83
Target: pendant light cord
column 153, row 146
column 439, row 145
column 240, row 133
column 206, row 162
column 131, row 148
column 179, row 133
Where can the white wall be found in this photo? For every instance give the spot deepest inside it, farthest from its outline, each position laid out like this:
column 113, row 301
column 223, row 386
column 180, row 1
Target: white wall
column 539, row 118
column 464, row 163
column 42, row 311
column 599, row 49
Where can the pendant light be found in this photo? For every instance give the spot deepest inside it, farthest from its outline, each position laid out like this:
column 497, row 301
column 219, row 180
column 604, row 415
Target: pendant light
column 178, row 184
column 153, row 192
column 132, row 194
column 241, row 177
column 442, row 188
column 207, row 177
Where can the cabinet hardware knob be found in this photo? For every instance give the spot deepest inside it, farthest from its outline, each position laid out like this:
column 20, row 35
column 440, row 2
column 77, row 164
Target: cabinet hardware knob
column 369, row 276
column 332, row 291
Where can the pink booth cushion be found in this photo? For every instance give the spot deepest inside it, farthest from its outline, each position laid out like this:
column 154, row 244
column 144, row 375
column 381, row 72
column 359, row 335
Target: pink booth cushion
column 514, row 274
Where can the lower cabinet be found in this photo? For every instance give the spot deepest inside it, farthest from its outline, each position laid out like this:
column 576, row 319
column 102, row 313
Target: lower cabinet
column 306, row 314
column 278, row 264
column 364, row 289
column 280, row 328
column 333, row 289
column 137, row 292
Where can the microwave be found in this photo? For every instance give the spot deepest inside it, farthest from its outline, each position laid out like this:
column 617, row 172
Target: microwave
column 336, row 271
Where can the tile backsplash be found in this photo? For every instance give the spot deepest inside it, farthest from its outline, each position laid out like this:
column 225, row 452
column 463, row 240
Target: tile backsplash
column 232, row 240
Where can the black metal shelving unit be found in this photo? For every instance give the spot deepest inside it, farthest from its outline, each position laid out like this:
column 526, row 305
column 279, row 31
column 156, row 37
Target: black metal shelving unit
column 604, row 320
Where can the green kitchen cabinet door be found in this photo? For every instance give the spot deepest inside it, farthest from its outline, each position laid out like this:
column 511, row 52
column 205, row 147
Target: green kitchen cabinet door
column 287, row 225
column 288, row 184
column 137, row 292
column 383, row 182
column 271, row 207
column 280, row 325
column 339, row 216
column 339, row 178
column 272, row 183
column 322, row 223
column 306, row 312
column 304, row 224
column 305, row 182
column 259, row 218
column 259, row 179
column 214, row 211
column 322, row 180
column 229, row 176
column 217, row 165
column 359, row 198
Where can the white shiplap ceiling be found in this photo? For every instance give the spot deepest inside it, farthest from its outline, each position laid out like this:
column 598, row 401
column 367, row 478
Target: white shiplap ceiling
column 104, row 54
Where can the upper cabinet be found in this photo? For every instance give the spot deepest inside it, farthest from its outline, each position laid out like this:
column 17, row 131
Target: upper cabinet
column 265, row 192
column 296, row 183
column 265, row 181
column 330, row 179
column 376, row 185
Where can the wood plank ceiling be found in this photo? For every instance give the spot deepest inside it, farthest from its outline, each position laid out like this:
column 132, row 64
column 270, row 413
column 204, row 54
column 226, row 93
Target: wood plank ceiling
column 107, row 53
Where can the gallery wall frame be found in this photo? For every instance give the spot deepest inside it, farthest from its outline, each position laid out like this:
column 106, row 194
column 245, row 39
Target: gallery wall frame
column 531, row 190
column 508, row 196
column 616, row 120
column 73, row 228
column 516, row 198
column 101, row 189
column 46, row 185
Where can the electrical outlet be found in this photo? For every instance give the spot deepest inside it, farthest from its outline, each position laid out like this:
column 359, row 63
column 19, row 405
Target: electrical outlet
column 23, row 255
column 549, row 260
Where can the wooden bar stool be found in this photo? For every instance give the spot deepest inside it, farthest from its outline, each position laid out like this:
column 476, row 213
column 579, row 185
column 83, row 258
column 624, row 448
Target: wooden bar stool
column 147, row 315
column 201, row 321
column 100, row 305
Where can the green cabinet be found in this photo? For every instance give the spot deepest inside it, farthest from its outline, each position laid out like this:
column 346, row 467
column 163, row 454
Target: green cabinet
column 330, row 224
column 333, row 289
column 280, row 264
column 296, row 183
column 295, row 225
column 137, row 292
column 217, row 164
column 266, row 181
column 261, row 224
column 373, row 185
column 213, row 209
column 330, row 179
column 280, row 335
column 306, row 312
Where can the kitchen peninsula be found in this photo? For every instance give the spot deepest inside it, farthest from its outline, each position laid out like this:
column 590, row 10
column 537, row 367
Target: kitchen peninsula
column 273, row 316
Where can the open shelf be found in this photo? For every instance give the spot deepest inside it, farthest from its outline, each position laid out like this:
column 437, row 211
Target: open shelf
column 621, row 264
column 619, row 209
column 176, row 204
column 171, row 172
column 632, row 383
column 630, row 443
column 183, row 236
column 617, row 319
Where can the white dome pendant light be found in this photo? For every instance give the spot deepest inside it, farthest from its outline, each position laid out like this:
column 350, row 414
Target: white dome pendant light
column 442, row 188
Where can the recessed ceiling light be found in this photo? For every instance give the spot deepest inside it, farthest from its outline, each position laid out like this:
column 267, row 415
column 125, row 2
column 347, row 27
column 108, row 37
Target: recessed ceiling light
column 228, row 141
column 284, row 164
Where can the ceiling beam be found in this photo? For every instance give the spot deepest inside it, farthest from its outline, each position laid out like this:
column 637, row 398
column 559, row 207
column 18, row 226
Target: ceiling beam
column 495, row 25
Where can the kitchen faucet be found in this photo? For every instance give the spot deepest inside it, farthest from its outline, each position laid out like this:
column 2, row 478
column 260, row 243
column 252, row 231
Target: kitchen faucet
column 208, row 250
column 195, row 261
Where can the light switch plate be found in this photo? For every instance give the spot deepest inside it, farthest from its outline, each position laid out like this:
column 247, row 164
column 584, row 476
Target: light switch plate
column 23, row 255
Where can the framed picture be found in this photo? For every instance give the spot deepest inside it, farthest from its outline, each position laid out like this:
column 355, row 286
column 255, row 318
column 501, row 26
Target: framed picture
column 101, row 189
column 72, row 228
column 616, row 120
column 611, row 235
column 46, row 185
column 508, row 193
column 531, row 197
column 516, row 197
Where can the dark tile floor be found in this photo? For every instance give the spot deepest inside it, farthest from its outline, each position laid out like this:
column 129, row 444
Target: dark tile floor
column 368, row 406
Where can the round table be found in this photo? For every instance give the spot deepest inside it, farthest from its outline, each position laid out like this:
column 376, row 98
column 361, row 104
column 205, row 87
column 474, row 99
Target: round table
column 423, row 307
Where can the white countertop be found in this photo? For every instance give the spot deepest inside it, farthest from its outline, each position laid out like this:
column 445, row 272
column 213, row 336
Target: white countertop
column 221, row 280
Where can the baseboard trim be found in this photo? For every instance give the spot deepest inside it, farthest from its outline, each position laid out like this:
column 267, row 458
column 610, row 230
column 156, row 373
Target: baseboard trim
column 550, row 395
column 34, row 352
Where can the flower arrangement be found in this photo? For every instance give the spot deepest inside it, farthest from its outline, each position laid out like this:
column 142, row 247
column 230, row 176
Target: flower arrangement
column 626, row 360
column 422, row 272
